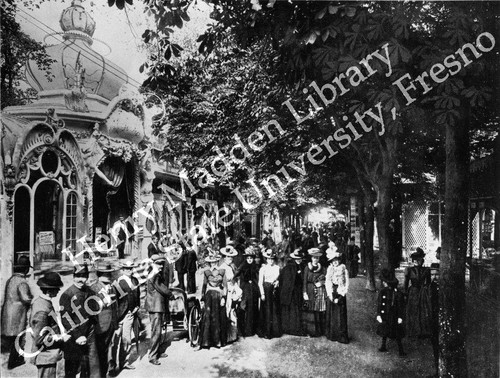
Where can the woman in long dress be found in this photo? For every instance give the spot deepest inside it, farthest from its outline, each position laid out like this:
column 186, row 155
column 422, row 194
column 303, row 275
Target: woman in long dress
column 337, row 284
column 214, row 291
column 290, row 288
column 248, row 312
column 233, row 292
column 419, row 308
column 268, row 283
column 315, row 295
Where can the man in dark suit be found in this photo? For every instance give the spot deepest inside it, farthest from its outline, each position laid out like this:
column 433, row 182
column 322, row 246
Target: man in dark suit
column 153, row 246
column 128, row 306
column 107, row 321
column 157, row 296
column 191, row 267
column 47, row 340
column 17, row 302
column 80, row 353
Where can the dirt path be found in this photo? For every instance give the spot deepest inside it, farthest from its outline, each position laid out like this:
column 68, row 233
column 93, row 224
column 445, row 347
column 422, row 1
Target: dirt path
column 288, row 356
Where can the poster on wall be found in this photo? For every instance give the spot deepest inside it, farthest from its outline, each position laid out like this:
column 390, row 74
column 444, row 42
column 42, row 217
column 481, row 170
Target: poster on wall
column 46, row 237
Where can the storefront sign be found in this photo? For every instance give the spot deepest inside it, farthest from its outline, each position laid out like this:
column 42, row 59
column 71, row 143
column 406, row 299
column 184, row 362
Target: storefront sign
column 46, row 237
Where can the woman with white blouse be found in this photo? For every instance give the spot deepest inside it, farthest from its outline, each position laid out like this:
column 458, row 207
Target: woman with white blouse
column 269, row 306
column 337, row 284
column 233, row 292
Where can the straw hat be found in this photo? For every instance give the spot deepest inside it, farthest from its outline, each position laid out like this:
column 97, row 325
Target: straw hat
column 269, row 254
column 213, row 257
column 228, row 251
column 250, row 251
column 128, row 264
column 297, row 254
column 314, row 252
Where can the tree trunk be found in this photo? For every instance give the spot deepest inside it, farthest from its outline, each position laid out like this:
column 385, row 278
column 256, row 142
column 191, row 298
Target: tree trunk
column 383, row 216
column 368, row 228
column 452, row 356
column 368, row 243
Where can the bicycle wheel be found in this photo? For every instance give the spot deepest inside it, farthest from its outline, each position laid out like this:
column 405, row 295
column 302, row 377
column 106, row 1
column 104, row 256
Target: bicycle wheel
column 194, row 325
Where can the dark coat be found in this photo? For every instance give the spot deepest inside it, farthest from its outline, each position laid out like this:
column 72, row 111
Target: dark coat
column 191, row 259
column 75, row 326
column 180, row 264
column 16, row 304
column 157, row 294
column 128, row 295
column 41, row 317
column 290, row 282
column 152, row 250
column 390, row 307
column 107, row 318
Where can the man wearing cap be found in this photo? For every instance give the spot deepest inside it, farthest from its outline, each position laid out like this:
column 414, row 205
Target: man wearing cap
column 157, row 296
column 128, row 305
column 107, row 321
column 17, row 302
column 47, row 337
column 80, row 353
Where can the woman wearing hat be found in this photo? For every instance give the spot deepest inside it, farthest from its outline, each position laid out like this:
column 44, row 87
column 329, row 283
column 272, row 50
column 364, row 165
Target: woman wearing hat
column 390, row 311
column 417, row 288
column 268, row 283
column 337, row 284
column 314, row 293
column 233, row 292
column 47, row 337
column 214, row 292
column 248, row 274
column 290, row 284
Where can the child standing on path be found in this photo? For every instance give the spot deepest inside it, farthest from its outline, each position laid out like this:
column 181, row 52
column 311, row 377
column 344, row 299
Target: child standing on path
column 390, row 311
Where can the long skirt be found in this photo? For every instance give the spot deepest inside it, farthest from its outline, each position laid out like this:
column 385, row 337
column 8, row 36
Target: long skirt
column 291, row 316
column 269, row 313
column 419, row 312
column 248, row 313
column 336, row 320
column 213, row 326
column 313, row 323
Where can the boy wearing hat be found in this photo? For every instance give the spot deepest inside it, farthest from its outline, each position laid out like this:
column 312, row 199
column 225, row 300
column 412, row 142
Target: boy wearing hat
column 17, row 302
column 47, row 340
column 107, row 322
column 80, row 353
column 390, row 311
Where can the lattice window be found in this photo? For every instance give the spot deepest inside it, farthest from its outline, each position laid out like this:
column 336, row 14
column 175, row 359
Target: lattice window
column 475, row 234
column 415, row 222
column 71, row 221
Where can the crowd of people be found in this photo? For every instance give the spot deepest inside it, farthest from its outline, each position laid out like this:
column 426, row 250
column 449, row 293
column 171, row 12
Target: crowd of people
column 297, row 287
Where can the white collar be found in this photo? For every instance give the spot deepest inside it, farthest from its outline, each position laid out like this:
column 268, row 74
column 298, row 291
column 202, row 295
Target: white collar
column 46, row 297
